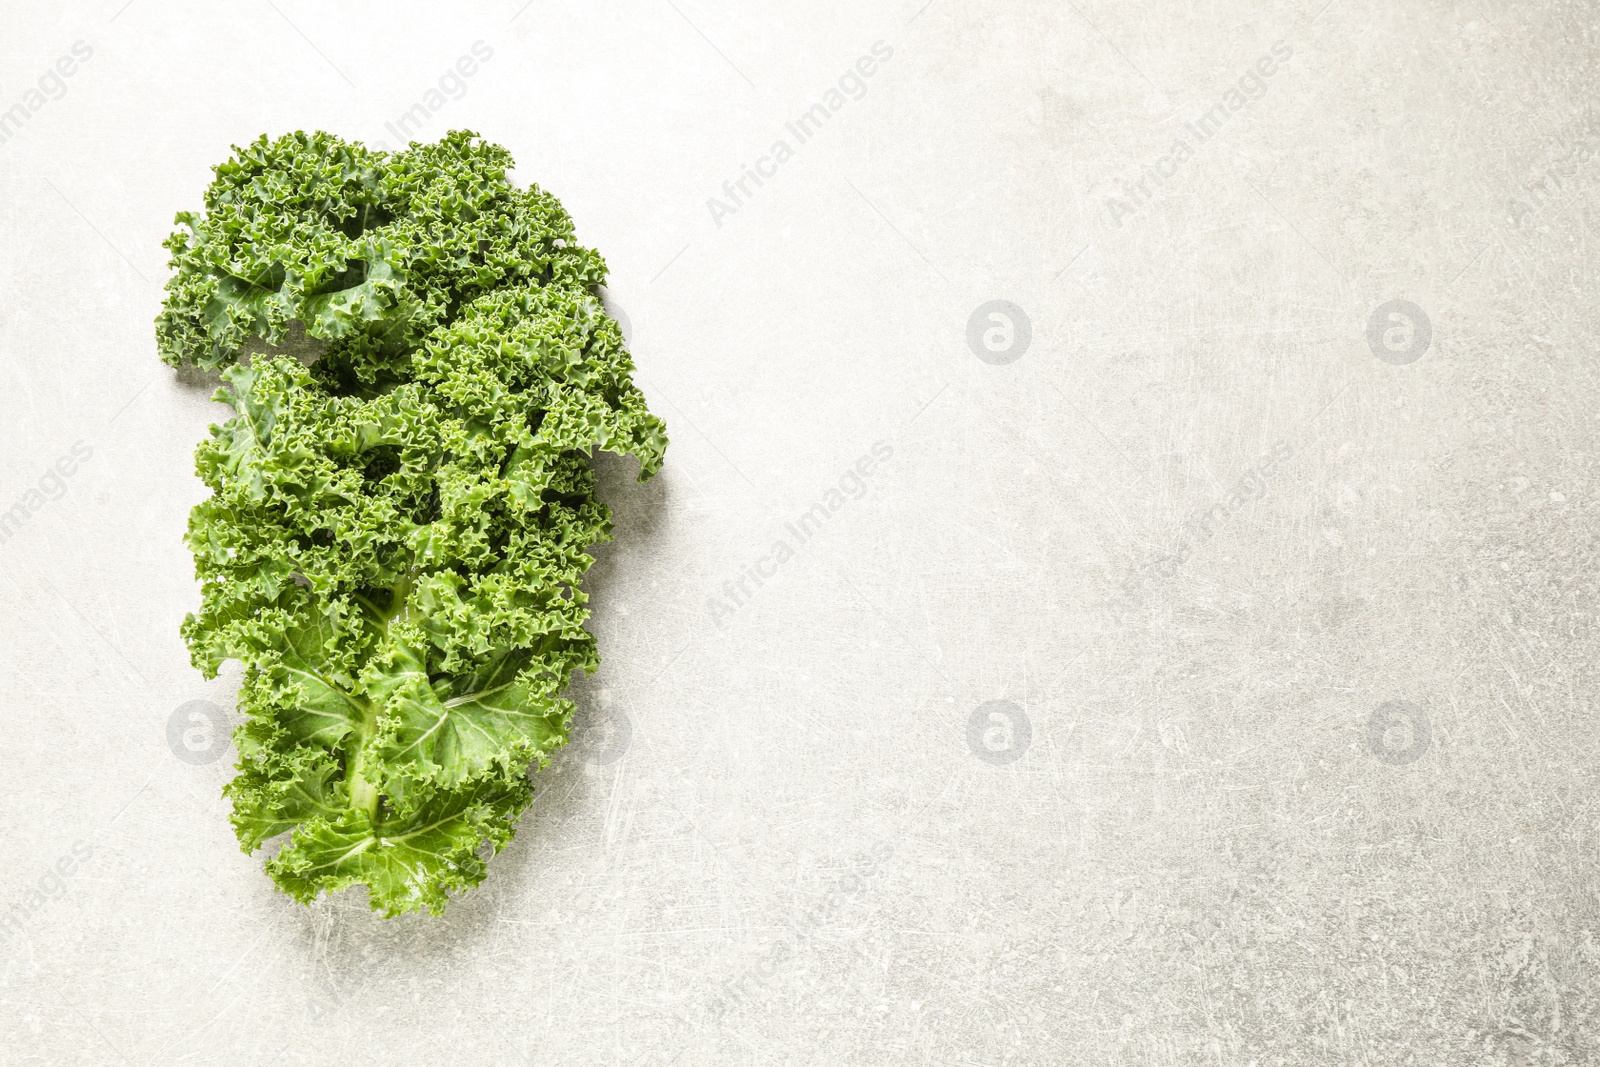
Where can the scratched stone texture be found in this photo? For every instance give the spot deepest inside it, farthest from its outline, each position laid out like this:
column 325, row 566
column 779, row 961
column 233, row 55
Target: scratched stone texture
column 1203, row 673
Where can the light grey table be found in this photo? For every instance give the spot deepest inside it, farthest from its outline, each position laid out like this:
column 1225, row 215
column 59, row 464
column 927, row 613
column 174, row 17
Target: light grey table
column 1203, row 673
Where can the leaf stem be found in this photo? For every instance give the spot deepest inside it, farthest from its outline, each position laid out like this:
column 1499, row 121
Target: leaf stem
column 363, row 793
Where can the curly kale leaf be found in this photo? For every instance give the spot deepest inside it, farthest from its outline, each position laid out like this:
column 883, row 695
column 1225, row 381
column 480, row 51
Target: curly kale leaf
column 397, row 534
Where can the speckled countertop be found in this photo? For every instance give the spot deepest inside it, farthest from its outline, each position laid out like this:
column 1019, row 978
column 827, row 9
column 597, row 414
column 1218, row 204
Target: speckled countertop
column 1190, row 655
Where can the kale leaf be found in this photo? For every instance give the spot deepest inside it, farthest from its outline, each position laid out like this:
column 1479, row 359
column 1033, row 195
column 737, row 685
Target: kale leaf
column 397, row 533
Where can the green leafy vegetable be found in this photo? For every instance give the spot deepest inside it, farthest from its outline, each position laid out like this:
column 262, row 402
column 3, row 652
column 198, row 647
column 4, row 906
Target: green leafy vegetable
column 397, row 533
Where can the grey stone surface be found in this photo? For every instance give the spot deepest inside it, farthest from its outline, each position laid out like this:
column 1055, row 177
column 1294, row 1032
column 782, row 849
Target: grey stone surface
column 1294, row 614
